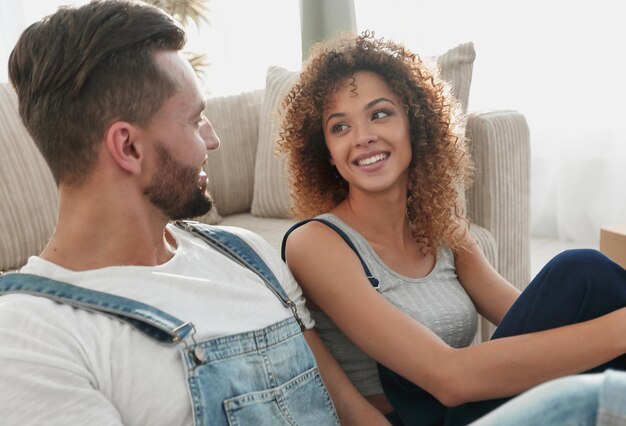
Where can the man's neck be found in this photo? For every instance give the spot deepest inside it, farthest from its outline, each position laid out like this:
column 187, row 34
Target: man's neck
column 93, row 232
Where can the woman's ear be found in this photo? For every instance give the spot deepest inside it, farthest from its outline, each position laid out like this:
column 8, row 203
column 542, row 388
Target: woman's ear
column 332, row 162
column 124, row 146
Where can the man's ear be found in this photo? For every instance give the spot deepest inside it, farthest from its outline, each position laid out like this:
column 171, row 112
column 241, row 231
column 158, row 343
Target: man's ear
column 124, row 146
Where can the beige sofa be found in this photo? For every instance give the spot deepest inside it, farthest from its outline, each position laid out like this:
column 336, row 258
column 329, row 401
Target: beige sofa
column 248, row 180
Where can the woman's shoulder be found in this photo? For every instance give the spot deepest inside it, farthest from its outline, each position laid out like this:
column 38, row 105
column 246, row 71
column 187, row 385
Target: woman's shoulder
column 445, row 254
column 320, row 229
column 321, row 234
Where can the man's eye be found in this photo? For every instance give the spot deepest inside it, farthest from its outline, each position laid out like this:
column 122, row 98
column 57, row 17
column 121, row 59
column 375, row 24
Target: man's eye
column 201, row 119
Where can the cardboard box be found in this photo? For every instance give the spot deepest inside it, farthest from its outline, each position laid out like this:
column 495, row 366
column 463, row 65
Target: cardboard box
column 613, row 243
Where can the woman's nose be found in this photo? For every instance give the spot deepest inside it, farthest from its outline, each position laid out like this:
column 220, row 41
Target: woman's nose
column 364, row 135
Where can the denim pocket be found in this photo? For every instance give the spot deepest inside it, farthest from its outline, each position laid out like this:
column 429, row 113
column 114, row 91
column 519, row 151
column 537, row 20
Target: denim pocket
column 303, row 398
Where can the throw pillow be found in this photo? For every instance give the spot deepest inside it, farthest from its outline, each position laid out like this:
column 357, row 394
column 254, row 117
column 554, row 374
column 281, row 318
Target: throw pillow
column 271, row 188
column 457, row 65
column 231, row 168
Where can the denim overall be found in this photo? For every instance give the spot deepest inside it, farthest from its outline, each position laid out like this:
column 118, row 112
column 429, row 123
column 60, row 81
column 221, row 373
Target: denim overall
column 261, row 377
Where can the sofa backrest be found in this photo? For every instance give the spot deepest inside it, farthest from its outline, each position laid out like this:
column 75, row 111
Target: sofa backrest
column 245, row 175
column 28, row 195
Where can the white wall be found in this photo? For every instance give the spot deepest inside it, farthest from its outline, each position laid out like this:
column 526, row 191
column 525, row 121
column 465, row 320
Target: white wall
column 560, row 63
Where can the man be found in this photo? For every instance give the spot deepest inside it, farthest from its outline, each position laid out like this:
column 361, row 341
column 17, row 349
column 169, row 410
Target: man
column 126, row 318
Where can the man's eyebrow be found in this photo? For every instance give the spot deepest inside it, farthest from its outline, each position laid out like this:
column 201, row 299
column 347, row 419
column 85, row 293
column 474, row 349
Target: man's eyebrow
column 200, row 108
column 367, row 106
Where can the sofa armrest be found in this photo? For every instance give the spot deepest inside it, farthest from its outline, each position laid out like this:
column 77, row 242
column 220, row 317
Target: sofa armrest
column 488, row 245
column 499, row 200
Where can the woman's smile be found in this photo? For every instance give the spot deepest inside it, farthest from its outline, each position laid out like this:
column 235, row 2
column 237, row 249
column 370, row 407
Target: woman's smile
column 368, row 159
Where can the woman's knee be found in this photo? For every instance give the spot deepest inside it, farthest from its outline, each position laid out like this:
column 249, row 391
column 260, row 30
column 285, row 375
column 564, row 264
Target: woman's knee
column 577, row 261
column 582, row 267
column 585, row 279
column 575, row 285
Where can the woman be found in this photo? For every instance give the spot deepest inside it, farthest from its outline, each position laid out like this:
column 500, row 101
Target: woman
column 376, row 148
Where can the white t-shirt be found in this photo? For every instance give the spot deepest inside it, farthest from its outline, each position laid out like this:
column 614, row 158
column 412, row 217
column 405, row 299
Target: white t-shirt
column 61, row 365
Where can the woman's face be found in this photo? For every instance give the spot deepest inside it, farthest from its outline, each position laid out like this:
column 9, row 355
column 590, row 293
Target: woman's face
column 366, row 129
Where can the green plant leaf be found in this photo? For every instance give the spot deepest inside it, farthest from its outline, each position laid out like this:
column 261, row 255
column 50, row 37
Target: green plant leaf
column 183, row 11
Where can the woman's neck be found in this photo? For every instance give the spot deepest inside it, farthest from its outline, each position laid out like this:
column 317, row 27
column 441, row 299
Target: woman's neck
column 383, row 222
column 378, row 217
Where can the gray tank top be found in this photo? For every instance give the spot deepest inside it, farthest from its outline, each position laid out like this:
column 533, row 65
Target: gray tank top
column 437, row 301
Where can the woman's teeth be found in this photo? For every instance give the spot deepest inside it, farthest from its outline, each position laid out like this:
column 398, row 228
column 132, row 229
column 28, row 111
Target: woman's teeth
column 371, row 160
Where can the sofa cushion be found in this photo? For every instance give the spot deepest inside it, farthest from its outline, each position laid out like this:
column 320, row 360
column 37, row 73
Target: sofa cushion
column 28, row 194
column 270, row 228
column 231, row 168
column 271, row 188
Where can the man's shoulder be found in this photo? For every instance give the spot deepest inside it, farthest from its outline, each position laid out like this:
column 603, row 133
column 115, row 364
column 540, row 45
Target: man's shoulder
column 26, row 301
column 20, row 311
column 26, row 311
column 32, row 325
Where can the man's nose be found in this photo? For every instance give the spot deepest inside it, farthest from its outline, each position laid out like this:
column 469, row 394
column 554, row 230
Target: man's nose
column 211, row 140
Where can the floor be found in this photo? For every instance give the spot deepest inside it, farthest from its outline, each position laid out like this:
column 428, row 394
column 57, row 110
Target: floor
column 544, row 249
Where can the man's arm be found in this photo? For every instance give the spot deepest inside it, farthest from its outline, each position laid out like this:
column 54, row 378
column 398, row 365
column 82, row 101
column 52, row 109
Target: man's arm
column 352, row 407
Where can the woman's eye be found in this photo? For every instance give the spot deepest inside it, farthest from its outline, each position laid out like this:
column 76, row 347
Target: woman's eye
column 339, row 127
column 381, row 113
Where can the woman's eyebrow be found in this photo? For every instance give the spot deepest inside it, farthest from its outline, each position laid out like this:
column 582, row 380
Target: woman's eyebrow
column 367, row 106
column 376, row 101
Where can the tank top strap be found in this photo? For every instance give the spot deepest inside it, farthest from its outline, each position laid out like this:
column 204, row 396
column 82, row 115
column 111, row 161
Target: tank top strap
column 373, row 280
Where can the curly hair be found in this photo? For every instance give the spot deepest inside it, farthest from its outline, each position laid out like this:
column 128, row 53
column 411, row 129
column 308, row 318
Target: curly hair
column 440, row 169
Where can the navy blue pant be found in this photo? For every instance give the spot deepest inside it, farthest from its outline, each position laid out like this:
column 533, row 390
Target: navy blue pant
column 575, row 286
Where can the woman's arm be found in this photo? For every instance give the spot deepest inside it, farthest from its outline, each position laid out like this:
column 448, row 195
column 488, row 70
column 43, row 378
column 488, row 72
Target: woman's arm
column 352, row 407
column 491, row 293
column 332, row 277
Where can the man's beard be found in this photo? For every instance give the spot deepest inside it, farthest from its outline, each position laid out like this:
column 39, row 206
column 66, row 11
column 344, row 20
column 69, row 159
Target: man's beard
column 174, row 189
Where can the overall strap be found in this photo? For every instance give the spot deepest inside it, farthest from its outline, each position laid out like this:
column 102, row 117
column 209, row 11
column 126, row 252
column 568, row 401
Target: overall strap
column 240, row 251
column 147, row 319
column 373, row 280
